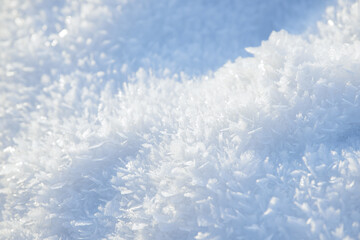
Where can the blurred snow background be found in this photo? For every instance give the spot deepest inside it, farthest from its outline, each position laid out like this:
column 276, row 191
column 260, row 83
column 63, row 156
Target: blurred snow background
column 199, row 36
column 149, row 120
column 190, row 36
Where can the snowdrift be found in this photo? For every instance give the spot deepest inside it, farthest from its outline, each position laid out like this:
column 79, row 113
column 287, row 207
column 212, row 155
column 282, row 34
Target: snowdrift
column 265, row 147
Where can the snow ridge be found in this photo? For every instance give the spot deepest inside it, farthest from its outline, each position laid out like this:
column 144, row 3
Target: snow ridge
column 266, row 147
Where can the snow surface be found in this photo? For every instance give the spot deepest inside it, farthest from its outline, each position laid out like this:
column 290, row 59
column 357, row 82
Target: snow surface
column 111, row 126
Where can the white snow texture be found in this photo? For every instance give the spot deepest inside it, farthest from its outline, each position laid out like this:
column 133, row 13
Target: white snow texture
column 122, row 120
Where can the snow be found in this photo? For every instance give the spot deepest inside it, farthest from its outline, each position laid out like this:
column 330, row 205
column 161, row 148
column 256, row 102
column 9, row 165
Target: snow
column 147, row 119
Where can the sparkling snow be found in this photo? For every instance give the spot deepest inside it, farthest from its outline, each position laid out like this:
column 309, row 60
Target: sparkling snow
column 144, row 119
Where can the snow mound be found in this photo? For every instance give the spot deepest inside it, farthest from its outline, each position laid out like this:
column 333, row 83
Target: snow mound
column 266, row 147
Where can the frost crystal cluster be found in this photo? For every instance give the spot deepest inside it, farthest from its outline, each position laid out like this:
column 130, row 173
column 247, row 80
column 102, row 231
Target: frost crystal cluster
column 111, row 126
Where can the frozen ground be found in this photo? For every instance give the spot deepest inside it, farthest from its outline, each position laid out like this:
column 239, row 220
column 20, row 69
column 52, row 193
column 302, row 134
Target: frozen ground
column 122, row 119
